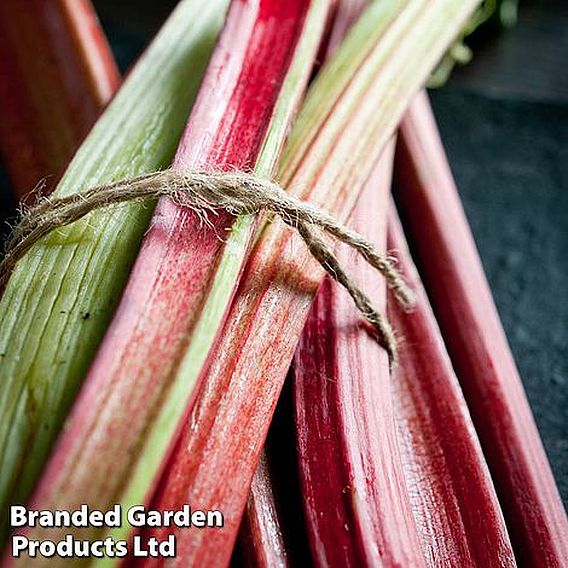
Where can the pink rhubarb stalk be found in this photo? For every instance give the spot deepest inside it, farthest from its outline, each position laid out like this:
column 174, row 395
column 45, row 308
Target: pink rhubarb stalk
column 56, row 74
column 457, row 514
column 273, row 532
column 356, row 506
column 346, row 14
column 261, row 536
column 341, row 444
column 477, row 344
column 231, row 126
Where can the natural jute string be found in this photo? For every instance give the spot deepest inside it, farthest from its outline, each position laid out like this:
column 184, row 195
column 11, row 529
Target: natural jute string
column 205, row 192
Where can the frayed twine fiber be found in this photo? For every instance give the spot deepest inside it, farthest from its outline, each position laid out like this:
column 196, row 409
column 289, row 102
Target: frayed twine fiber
column 205, row 192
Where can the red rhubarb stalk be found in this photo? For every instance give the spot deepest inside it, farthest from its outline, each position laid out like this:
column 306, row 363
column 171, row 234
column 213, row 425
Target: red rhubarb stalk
column 456, row 510
column 356, row 506
column 57, row 73
column 477, row 344
column 344, row 423
column 131, row 378
column 261, row 536
column 273, row 531
column 215, row 457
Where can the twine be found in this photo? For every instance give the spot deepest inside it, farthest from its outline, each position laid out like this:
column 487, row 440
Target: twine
column 204, row 193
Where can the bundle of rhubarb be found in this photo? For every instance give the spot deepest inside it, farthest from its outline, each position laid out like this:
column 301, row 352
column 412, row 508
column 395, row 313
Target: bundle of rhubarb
column 144, row 347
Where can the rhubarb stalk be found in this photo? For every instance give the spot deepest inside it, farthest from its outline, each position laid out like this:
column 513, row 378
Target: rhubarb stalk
column 355, row 501
column 120, row 429
column 60, row 298
column 351, row 111
column 273, row 529
column 349, row 465
column 477, row 344
column 457, row 514
column 261, row 537
column 57, row 73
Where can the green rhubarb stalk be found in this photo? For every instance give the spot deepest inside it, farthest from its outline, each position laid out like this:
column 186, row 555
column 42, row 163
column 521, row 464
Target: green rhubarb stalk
column 61, row 296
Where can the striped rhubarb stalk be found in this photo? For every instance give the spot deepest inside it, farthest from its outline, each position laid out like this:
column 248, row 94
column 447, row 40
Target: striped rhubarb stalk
column 132, row 403
column 477, row 344
column 60, row 298
column 354, row 493
column 261, row 541
column 273, row 531
column 348, row 11
column 351, row 111
column 262, row 535
column 343, row 396
column 57, row 73
column 457, row 514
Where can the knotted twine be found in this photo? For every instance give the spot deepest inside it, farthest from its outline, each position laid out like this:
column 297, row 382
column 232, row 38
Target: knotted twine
column 205, row 193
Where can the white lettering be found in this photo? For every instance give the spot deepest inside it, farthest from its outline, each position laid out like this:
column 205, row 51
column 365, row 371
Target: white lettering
column 153, row 547
column 18, row 517
column 96, row 549
column 153, row 519
column 198, row 519
column 121, row 549
column 183, row 518
column 47, row 548
column 79, row 518
column 113, row 518
column 19, row 543
column 137, row 549
column 215, row 519
column 66, row 547
column 136, row 516
column 167, row 548
column 96, row 518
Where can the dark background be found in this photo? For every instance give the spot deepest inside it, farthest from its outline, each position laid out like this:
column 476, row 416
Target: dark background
column 504, row 121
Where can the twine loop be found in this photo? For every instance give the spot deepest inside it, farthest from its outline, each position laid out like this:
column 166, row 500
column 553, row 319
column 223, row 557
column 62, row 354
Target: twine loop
column 237, row 193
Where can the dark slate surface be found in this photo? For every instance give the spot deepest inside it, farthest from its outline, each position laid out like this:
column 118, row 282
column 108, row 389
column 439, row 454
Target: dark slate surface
column 526, row 62
column 510, row 160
